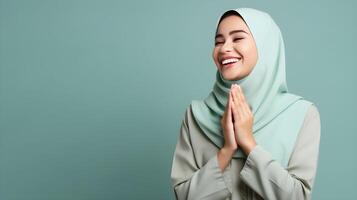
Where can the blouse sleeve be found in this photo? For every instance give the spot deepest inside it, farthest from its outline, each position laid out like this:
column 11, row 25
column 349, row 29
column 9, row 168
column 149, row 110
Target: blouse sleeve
column 189, row 181
column 271, row 181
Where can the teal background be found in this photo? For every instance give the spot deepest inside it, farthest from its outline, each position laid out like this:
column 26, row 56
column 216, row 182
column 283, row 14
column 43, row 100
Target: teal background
column 92, row 93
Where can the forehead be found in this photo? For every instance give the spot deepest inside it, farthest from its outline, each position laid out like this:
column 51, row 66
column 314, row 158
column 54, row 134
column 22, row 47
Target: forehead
column 232, row 22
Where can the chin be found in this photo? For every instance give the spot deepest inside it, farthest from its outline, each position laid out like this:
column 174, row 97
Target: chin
column 230, row 76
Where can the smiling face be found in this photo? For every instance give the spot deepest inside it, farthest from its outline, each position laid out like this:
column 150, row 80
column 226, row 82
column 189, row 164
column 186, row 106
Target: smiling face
column 235, row 53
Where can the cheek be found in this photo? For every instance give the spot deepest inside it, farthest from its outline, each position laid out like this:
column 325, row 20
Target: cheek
column 249, row 52
column 245, row 48
column 215, row 55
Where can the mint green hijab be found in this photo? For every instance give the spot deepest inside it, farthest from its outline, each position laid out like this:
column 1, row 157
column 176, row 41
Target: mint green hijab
column 278, row 114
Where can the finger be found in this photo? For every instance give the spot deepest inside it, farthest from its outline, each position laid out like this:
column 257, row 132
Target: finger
column 244, row 103
column 235, row 113
column 239, row 103
column 247, row 108
column 229, row 106
column 241, row 94
column 234, row 95
column 237, row 93
column 226, row 109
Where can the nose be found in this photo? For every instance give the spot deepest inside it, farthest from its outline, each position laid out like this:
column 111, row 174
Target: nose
column 227, row 46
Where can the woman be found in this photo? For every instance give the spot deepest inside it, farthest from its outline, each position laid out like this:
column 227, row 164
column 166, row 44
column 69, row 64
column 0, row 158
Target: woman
column 249, row 138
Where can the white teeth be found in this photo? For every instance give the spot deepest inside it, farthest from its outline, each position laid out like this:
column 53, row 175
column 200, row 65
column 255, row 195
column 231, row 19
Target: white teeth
column 231, row 60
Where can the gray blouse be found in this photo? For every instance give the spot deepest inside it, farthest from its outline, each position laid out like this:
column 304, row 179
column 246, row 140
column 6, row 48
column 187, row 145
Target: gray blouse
column 195, row 173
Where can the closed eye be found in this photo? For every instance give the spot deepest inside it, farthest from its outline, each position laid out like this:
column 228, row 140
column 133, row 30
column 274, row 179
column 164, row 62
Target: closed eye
column 235, row 39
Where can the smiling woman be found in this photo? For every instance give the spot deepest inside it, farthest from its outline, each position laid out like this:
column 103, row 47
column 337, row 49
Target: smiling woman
column 250, row 138
column 235, row 53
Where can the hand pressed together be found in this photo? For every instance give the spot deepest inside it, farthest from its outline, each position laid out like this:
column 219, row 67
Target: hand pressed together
column 237, row 122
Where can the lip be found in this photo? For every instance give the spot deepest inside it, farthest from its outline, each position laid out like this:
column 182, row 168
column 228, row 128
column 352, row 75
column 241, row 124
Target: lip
column 230, row 65
column 228, row 57
column 227, row 66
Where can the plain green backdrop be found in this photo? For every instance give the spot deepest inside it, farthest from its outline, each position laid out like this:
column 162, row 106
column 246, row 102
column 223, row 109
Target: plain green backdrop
column 92, row 93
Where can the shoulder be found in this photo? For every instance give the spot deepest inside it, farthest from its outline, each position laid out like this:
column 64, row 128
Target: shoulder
column 187, row 116
column 312, row 114
column 189, row 120
column 311, row 126
column 312, row 110
column 307, row 143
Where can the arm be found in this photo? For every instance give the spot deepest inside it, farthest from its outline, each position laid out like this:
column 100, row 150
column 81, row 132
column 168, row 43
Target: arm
column 271, row 181
column 189, row 181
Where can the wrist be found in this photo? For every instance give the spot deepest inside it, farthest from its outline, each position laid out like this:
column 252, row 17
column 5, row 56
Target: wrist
column 248, row 147
column 224, row 156
column 227, row 152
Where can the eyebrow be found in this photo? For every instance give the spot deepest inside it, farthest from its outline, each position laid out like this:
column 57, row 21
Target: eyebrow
column 230, row 33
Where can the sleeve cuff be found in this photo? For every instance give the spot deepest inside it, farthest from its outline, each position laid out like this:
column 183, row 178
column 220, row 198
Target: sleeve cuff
column 226, row 174
column 256, row 156
column 217, row 183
